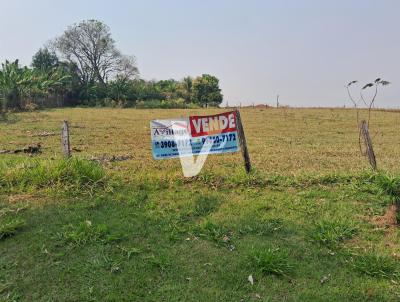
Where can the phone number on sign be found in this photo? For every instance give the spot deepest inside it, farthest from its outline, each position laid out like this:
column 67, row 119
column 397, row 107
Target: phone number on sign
column 205, row 140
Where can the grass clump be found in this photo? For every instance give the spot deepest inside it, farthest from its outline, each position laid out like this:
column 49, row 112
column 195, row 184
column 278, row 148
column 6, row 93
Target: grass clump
column 205, row 205
column 332, row 232
column 377, row 266
column 10, row 228
column 69, row 173
column 389, row 185
column 272, row 261
column 85, row 232
column 263, row 228
column 214, row 232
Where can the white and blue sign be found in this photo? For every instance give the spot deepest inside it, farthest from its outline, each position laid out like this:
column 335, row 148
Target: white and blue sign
column 195, row 135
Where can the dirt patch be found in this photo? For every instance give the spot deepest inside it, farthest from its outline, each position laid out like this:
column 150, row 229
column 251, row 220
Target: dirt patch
column 30, row 150
column 24, row 201
column 40, row 134
column 19, row 198
column 388, row 220
column 109, row 159
column 388, row 224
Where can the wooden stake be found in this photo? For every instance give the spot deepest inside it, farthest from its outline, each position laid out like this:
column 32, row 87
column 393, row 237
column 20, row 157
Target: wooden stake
column 368, row 144
column 243, row 144
column 65, row 139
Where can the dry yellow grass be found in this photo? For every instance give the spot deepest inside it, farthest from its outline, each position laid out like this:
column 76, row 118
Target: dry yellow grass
column 284, row 141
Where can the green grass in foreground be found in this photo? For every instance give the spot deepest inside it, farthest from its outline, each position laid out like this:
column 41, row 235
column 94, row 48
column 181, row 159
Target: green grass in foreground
column 69, row 231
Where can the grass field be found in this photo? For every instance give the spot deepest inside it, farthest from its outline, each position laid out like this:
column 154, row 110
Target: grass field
column 310, row 223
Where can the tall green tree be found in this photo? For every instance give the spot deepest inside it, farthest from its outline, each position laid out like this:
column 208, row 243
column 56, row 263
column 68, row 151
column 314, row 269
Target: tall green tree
column 21, row 85
column 44, row 60
column 168, row 89
column 14, row 83
column 206, row 91
column 187, row 89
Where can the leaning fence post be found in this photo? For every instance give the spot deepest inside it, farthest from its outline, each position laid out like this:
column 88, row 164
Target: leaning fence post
column 65, row 139
column 368, row 144
column 243, row 144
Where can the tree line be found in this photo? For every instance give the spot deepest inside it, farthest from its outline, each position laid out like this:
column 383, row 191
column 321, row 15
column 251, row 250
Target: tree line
column 83, row 67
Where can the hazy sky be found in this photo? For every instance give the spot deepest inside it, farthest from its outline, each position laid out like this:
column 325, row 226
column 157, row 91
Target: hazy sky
column 304, row 50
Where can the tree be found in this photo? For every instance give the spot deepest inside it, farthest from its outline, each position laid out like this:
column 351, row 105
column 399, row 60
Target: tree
column 91, row 48
column 118, row 89
column 168, row 89
column 20, row 86
column 368, row 103
column 206, row 91
column 45, row 60
column 73, row 89
column 187, row 89
column 52, row 84
column 13, row 83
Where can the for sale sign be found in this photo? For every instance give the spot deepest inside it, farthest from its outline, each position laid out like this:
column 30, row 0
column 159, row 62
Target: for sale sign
column 195, row 135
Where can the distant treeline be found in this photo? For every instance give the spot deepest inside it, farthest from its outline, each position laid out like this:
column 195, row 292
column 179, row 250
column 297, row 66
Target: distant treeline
column 82, row 67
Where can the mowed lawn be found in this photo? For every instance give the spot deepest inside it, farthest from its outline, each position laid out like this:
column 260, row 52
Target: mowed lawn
column 311, row 222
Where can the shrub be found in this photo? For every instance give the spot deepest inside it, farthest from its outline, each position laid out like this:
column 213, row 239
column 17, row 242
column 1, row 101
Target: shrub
column 164, row 104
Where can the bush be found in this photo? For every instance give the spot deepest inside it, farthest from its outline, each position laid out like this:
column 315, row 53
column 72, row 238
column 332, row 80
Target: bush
column 31, row 106
column 164, row 104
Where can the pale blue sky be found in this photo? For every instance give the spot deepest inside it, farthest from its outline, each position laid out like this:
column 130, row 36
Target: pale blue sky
column 304, row 50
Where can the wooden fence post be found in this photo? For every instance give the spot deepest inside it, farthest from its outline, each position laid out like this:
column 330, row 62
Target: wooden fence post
column 368, row 144
column 243, row 144
column 65, row 139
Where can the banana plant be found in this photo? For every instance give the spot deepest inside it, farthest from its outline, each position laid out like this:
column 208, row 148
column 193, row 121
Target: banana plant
column 10, row 80
column 18, row 85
